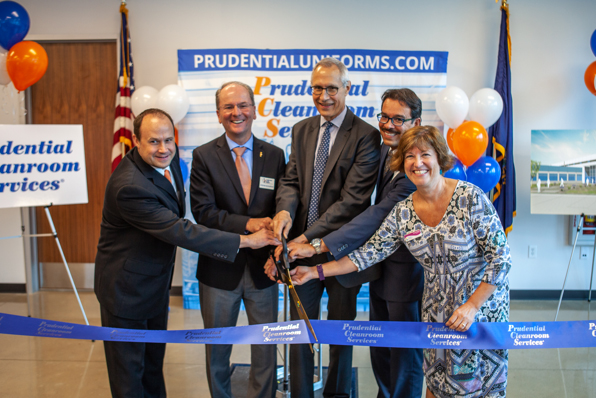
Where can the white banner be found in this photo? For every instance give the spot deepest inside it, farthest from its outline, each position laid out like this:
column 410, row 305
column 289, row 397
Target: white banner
column 42, row 165
column 281, row 83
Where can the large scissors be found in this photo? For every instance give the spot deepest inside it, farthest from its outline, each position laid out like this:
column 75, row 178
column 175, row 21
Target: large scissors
column 283, row 274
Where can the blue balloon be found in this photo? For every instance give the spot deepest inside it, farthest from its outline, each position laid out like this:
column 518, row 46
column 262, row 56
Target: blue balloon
column 593, row 42
column 14, row 23
column 184, row 169
column 457, row 172
column 484, row 173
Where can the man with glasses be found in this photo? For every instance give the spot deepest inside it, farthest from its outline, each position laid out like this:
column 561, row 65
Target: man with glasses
column 396, row 284
column 234, row 180
column 328, row 181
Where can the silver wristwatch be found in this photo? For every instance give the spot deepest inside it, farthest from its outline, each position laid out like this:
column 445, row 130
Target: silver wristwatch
column 316, row 243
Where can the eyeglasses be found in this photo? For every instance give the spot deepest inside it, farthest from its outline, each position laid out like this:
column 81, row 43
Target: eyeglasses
column 318, row 90
column 397, row 121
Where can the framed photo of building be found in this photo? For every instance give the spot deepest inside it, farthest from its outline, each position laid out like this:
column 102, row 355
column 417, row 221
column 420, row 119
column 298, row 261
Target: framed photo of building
column 563, row 172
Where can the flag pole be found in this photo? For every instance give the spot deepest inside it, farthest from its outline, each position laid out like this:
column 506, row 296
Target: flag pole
column 123, row 124
column 122, row 144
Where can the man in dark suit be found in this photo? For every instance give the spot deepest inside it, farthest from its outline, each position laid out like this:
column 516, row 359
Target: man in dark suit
column 397, row 282
column 328, row 181
column 226, row 195
column 142, row 223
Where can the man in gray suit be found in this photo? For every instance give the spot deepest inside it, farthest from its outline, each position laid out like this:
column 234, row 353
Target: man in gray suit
column 396, row 283
column 330, row 176
column 233, row 184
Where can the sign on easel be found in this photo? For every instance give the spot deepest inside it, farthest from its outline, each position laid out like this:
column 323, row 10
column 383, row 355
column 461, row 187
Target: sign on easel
column 42, row 164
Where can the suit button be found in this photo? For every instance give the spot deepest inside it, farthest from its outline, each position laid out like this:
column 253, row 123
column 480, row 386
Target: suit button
column 226, row 256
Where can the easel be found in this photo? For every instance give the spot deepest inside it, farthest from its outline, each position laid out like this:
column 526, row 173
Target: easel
column 318, row 377
column 28, row 271
column 579, row 227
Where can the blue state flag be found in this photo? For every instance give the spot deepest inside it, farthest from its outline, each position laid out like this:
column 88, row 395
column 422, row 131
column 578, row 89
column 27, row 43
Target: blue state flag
column 501, row 133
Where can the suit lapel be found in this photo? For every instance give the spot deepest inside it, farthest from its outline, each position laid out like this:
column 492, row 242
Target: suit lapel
column 340, row 142
column 384, row 152
column 153, row 175
column 258, row 160
column 177, row 173
column 225, row 157
column 310, row 148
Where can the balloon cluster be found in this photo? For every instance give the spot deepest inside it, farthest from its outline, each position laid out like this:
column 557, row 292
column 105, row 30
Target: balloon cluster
column 171, row 99
column 590, row 75
column 468, row 139
column 22, row 62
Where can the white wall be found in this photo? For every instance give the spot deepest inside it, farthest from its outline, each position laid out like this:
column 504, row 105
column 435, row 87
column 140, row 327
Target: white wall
column 550, row 52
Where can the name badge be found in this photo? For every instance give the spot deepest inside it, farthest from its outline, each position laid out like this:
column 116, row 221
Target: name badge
column 412, row 235
column 267, row 183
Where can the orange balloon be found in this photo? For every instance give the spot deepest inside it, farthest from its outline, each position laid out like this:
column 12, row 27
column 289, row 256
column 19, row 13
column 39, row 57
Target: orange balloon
column 449, row 138
column 26, row 63
column 470, row 140
column 589, row 77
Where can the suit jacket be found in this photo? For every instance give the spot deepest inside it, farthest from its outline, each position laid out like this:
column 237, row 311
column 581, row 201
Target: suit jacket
column 217, row 201
column 142, row 223
column 399, row 277
column 348, row 180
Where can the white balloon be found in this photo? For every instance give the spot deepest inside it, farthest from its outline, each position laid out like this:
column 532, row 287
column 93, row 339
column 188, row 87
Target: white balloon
column 174, row 100
column 486, row 106
column 143, row 98
column 4, row 78
column 452, row 106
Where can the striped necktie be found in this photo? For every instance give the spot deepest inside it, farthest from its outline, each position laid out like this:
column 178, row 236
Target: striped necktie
column 317, row 177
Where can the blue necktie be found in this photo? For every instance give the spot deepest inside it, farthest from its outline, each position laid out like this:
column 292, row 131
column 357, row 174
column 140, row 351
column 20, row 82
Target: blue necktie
column 317, row 177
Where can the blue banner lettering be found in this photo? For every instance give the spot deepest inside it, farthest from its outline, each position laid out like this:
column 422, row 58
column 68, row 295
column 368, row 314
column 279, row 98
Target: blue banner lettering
column 305, row 60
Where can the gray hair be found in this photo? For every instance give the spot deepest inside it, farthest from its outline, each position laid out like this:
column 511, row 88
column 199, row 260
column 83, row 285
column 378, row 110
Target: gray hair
column 246, row 86
column 328, row 63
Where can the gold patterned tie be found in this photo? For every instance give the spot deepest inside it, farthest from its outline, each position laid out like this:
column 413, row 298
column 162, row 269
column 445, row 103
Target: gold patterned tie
column 243, row 171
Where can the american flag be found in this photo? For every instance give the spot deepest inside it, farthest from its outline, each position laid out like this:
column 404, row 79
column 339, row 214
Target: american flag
column 123, row 128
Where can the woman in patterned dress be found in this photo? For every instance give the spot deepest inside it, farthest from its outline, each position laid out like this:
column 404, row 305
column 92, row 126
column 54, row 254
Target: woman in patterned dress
column 454, row 232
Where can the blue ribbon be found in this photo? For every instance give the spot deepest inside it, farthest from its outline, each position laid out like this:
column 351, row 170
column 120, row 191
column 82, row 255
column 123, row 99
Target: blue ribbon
column 481, row 335
column 488, row 335
column 276, row 333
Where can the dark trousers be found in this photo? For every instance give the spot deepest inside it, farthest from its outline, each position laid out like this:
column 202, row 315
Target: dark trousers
column 341, row 306
column 398, row 371
column 220, row 308
column 135, row 370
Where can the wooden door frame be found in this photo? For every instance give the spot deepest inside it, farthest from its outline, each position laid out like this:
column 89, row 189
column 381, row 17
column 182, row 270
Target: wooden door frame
column 34, row 275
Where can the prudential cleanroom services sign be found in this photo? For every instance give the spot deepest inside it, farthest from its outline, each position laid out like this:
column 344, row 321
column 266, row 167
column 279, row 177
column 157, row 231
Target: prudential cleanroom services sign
column 42, row 165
